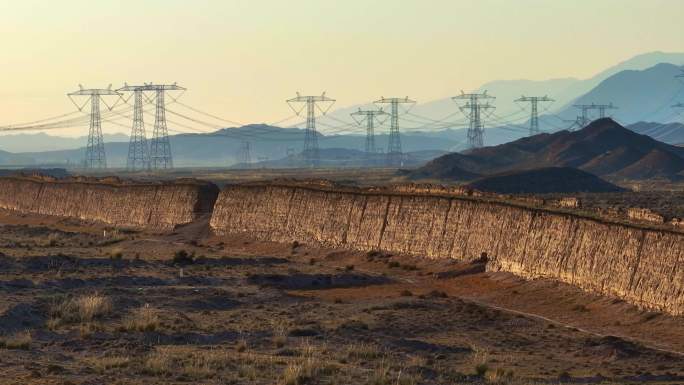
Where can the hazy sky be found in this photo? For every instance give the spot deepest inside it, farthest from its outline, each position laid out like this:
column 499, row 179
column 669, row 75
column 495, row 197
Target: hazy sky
column 242, row 59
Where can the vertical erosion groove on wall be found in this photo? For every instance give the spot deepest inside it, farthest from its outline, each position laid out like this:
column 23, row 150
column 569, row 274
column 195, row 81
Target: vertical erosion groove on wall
column 158, row 206
column 640, row 265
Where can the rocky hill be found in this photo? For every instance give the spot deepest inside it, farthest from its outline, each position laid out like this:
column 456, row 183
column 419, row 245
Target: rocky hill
column 603, row 148
column 544, row 181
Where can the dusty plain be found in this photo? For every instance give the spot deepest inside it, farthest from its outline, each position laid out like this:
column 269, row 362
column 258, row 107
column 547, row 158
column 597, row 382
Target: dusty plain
column 85, row 303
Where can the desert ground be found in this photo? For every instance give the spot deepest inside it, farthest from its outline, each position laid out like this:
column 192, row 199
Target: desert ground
column 85, row 303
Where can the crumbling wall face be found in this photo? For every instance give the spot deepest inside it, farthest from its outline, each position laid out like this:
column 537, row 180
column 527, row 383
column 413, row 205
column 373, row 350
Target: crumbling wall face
column 646, row 215
column 642, row 266
column 155, row 206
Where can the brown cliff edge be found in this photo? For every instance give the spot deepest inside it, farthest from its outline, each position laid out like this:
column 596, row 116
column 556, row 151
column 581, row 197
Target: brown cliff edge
column 639, row 263
column 156, row 206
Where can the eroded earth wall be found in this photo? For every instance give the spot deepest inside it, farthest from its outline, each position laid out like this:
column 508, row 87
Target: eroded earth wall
column 640, row 265
column 158, row 206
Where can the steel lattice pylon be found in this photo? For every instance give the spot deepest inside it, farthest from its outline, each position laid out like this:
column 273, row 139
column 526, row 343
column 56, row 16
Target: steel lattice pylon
column 158, row 155
column 160, row 146
column 311, row 153
column 395, row 156
column 95, row 151
column 138, row 153
column 474, row 114
column 534, row 111
column 370, row 116
column 246, row 154
column 583, row 120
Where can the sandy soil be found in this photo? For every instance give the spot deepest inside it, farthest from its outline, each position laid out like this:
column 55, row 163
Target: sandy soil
column 90, row 304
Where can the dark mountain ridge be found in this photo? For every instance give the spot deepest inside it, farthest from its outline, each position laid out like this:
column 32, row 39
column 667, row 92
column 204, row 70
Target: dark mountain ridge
column 604, row 148
column 544, row 181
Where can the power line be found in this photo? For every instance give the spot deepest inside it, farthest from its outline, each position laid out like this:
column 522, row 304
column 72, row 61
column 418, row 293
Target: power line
column 28, row 124
column 208, row 114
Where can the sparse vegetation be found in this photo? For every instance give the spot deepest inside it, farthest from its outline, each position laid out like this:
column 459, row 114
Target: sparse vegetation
column 480, row 362
column 116, row 253
column 364, row 351
column 142, row 319
column 53, row 239
column 19, row 341
column 181, row 257
column 279, row 333
column 83, row 309
column 220, row 325
column 106, row 363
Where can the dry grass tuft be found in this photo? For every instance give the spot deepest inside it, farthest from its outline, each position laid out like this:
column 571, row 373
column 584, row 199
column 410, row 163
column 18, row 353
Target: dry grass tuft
column 187, row 361
column 280, row 329
column 307, row 368
column 364, row 351
column 103, row 364
column 19, row 341
column 142, row 319
column 52, row 240
column 479, row 360
column 83, row 309
column 93, row 306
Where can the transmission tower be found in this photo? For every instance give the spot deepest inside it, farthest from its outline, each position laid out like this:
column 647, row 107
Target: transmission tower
column 311, row 103
column 534, row 111
column 158, row 156
column 370, row 116
column 138, row 152
column 474, row 107
column 95, row 151
column 394, row 153
column 583, row 119
column 160, row 145
column 245, row 154
column 602, row 109
column 290, row 154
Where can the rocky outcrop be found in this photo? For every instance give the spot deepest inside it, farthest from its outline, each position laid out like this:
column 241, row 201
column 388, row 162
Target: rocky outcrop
column 646, row 215
column 642, row 265
column 158, row 206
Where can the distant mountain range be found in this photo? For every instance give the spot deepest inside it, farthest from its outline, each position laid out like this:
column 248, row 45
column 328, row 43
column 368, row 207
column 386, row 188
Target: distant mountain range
column 565, row 91
column 603, row 148
column 222, row 148
column 644, row 89
column 344, row 157
column 41, row 141
column 671, row 133
column 638, row 95
column 269, row 146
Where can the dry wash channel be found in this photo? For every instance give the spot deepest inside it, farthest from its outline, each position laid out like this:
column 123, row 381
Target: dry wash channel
column 640, row 265
column 155, row 206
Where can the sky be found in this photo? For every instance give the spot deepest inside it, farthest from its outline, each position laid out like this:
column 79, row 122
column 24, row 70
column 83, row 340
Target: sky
column 241, row 60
